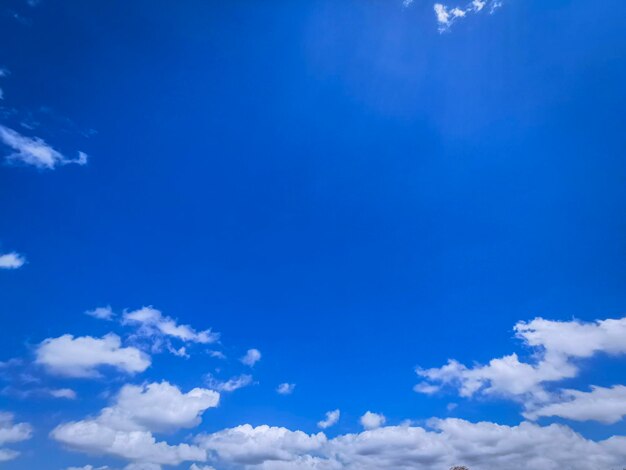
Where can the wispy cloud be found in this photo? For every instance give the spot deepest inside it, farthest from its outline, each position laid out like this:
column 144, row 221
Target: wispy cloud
column 448, row 15
column 35, row 151
column 230, row 385
column 330, row 419
column 39, row 392
column 101, row 313
column 3, row 73
column 152, row 323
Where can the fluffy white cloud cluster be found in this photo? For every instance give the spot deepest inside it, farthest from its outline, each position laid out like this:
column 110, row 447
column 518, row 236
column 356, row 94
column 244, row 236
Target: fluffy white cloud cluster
column 249, row 446
column 11, row 432
column 446, row 15
column 152, row 323
column 372, row 420
column 11, row 261
column 125, row 429
column 557, row 347
column 83, row 356
column 35, row 151
column 481, row 446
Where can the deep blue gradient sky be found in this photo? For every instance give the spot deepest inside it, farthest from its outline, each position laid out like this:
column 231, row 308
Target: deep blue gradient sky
column 334, row 183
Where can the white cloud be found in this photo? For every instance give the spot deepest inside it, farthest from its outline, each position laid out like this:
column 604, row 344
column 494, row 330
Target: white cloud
column 142, row 466
column 247, row 445
column 158, row 407
column 426, row 388
column 447, row 16
column 180, row 352
column 35, row 151
column 217, row 354
column 557, row 349
column 479, row 4
column 152, row 323
column 575, row 338
column 200, row 467
column 251, row 357
column 372, row 420
column 125, row 428
column 3, row 73
column 95, row 437
column 88, row 467
column 82, row 356
column 11, row 261
column 232, row 384
column 132, row 466
column 442, row 444
column 330, row 419
column 66, row 393
column 606, row 405
column 11, row 433
column 285, row 389
column 101, row 313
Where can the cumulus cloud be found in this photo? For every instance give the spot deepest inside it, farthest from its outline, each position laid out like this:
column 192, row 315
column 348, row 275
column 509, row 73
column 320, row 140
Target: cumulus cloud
column 285, row 389
column 95, row 437
column 247, row 445
column 447, row 15
column 606, row 405
column 372, row 420
column 152, row 323
column 442, row 444
column 35, row 151
column 330, row 419
column 557, row 349
column 11, row 433
column 251, row 357
column 230, row 385
column 125, row 429
column 101, row 313
column 11, row 261
column 83, row 356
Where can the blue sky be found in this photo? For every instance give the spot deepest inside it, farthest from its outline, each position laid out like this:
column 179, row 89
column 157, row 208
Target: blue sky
column 325, row 199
